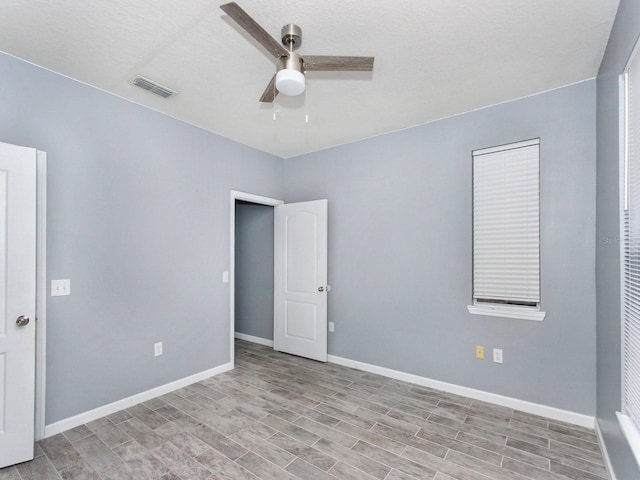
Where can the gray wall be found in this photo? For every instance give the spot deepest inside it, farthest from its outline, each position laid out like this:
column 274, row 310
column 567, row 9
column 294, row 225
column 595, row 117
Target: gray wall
column 400, row 250
column 254, row 270
column 623, row 37
column 138, row 219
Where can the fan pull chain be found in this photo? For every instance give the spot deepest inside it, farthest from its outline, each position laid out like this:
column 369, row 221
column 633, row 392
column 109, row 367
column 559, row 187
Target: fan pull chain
column 274, row 101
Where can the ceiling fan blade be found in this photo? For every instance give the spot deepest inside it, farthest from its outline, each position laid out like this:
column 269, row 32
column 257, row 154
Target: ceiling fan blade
column 243, row 19
column 326, row 63
column 270, row 92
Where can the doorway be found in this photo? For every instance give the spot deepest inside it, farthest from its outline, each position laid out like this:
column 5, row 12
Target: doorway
column 249, row 217
column 299, row 270
column 254, row 272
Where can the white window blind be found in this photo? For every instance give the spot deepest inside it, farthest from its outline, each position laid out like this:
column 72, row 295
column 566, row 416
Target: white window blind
column 631, row 243
column 506, row 225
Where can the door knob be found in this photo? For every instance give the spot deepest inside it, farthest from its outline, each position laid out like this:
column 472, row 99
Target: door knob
column 22, row 320
column 321, row 289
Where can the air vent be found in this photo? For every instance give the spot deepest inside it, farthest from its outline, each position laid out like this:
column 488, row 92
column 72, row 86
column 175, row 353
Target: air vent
column 153, row 87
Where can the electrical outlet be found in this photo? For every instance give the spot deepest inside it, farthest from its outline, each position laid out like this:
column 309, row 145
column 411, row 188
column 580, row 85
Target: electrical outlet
column 497, row 355
column 60, row 287
column 331, row 329
column 479, row 352
column 157, row 349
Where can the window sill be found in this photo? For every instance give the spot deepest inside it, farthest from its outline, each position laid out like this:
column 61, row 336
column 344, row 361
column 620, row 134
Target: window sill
column 631, row 433
column 507, row 312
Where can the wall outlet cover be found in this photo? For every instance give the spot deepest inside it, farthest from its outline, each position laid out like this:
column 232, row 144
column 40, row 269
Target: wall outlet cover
column 497, row 355
column 479, row 352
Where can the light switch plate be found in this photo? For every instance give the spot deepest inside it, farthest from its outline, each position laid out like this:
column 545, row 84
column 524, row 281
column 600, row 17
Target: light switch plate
column 60, row 287
column 225, row 277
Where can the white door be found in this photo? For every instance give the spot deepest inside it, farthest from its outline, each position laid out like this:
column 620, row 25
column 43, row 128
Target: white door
column 300, row 298
column 17, row 302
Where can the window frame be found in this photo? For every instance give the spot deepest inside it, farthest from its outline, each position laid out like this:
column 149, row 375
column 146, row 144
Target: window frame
column 500, row 308
column 630, row 426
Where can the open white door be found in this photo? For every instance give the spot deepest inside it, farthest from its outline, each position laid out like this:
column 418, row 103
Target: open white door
column 300, row 298
column 17, row 302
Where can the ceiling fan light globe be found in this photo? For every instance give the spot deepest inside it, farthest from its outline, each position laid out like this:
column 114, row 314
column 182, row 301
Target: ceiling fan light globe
column 290, row 82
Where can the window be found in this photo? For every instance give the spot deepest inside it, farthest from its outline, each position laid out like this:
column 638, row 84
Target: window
column 506, row 231
column 630, row 220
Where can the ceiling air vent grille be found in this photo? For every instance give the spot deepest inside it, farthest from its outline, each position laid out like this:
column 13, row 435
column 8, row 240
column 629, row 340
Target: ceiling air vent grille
column 153, row 87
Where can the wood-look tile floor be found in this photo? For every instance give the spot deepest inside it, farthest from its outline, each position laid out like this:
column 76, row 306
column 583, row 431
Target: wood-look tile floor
column 280, row 417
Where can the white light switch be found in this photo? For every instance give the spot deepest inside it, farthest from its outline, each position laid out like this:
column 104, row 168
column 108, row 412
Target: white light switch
column 225, row 277
column 60, row 287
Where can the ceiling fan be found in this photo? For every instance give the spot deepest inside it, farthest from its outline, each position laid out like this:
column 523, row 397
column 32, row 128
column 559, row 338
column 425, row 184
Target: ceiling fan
column 289, row 78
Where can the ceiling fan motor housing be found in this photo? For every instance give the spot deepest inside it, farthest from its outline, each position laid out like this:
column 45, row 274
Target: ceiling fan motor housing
column 292, row 62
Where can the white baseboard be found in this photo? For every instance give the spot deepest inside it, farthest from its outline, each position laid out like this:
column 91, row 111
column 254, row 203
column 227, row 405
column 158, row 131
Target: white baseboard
column 605, row 453
column 252, row 339
column 529, row 407
column 96, row 413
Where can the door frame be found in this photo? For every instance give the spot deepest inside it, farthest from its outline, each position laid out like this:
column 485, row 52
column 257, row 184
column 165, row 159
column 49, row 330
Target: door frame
column 251, row 198
column 41, row 293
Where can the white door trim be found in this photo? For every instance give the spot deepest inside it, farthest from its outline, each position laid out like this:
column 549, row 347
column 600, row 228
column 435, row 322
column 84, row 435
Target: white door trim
column 41, row 292
column 247, row 197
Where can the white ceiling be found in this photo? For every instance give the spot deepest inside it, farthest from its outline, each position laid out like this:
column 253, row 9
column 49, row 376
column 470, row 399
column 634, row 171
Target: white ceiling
column 433, row 58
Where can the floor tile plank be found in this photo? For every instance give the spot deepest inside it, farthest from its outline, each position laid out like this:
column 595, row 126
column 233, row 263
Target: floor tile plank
column 267, row 450
column 262, row 468
column 103, row 459
column 39, row 468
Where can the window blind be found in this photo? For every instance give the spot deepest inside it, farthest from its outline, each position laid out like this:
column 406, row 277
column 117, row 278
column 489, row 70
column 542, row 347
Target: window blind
column 631, row 243
column 506, row 224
